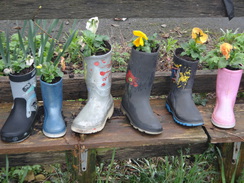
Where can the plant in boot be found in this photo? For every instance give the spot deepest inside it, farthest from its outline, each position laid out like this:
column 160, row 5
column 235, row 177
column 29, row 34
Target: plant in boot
column 22, row 76
column 227, row 53
column 227, row 57
column 139, row 80
column 92, row 43
column 52, row 90
column 97, row 65
column 144, row 43
column 52, row 95
column 179, row 101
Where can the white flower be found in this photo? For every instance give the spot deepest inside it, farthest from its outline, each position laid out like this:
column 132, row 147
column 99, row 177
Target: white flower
column 29, row 60
column 92, row 24
column 82, row 44
column 7, row 71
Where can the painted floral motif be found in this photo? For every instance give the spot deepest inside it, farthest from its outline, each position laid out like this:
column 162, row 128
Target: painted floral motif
column 131, row 79
column 178, row 77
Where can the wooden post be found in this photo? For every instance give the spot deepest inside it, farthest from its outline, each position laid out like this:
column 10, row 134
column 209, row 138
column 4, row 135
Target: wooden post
column 229, row 163
column 74, row 162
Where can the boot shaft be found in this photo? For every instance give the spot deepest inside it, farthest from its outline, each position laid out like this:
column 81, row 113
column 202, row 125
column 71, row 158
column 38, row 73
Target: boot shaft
column 98, row 74
column 227, row 83
column 52, row 94
column 23, row 86
column 141, row 72
column 183, row 71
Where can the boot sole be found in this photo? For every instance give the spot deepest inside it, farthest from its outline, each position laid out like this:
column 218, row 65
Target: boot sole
column 221, row 126
column 50, row 135
column 98, row 128
column 134, row 126
column 180, row 122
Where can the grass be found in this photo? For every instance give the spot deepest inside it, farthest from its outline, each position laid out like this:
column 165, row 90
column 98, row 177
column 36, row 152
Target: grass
column 169, row 169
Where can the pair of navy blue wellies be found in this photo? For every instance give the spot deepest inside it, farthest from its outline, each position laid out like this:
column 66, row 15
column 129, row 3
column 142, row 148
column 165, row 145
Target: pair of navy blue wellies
column 21, row 120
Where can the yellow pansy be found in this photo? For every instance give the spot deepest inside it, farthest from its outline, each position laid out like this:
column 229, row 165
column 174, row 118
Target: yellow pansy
column 39, row 66
column 140, row 40
column 225, row 49
column 199, row 36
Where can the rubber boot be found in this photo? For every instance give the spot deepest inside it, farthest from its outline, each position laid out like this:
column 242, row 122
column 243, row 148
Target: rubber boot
column 21, row 120
column 135, row 101
column 227, row 86
column 179, row 101
column 52, row 95
column 100, row 106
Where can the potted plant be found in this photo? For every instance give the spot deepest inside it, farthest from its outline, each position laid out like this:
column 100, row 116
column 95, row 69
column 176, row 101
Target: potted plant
column 179, row 101
column 139, row 79
column 52, row 89
column 19, row 66
column 96, row 52
column 227, row 57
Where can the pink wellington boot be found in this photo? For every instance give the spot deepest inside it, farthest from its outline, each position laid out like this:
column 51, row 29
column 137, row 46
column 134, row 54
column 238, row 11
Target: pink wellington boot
column 227, row 86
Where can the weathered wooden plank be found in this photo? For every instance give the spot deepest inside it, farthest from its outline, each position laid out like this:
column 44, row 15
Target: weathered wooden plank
column 75, row 88
column 33, row 158
column 104, row 154
column 218, row 135
column 63, row 9
column 117, row 133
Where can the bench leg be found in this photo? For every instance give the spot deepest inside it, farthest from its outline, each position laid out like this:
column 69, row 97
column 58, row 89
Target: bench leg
column 229, row 153
column 82, row 164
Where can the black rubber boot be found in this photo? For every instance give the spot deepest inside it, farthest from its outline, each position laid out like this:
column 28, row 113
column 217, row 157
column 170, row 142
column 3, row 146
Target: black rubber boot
column 179, row 101
column 135, row 102
column 20, row 122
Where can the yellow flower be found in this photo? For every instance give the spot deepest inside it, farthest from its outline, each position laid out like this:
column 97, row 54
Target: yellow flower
column 225, row 49
column 199, row 36
column 39, row 66
column 140, row 40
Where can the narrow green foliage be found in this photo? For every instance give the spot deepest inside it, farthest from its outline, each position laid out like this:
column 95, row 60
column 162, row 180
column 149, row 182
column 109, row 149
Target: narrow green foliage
column 169, row 169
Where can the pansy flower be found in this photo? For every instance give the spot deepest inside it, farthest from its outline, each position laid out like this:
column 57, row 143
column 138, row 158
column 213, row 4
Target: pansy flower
column 140, row 40
column 225, row 49
column 199, row 36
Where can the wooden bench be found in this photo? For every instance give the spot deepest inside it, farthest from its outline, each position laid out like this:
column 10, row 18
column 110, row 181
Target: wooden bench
column 84, row 150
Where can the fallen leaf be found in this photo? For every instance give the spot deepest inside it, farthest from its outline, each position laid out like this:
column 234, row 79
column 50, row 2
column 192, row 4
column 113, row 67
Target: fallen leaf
column 166, row 35
column 120, row 19
column 115, row 25
column 48, row 168
column 163, row 25
column 62, row 62
column 30, row 176
column 40, row 177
